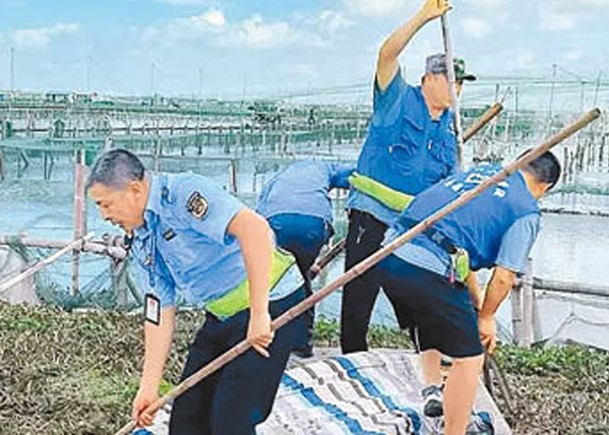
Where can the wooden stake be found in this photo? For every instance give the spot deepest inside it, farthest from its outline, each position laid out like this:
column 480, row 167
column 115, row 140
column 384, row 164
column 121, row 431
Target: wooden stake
column 80, row 215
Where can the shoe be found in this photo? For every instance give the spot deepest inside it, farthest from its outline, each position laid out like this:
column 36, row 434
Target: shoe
column 304, row 351
column 432, row 396
column 480, row 424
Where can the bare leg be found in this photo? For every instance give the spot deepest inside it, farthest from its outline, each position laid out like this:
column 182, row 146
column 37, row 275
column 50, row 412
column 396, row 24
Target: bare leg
column 460, row 392
column 430, row 362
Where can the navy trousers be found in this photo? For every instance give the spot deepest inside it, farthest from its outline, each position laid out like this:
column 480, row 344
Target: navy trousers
column 239, row 396
column 302, row 236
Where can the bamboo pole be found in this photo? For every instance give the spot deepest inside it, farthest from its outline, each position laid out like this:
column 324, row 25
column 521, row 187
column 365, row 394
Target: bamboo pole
column 96, row 247
column 332, row 253
column 76, row 244
column 570, row 288
column 448, row 50
column 528, row 300
column 367, row 263
column 486, row 117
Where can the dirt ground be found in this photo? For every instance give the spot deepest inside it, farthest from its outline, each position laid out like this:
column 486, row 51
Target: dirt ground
column 76, row 373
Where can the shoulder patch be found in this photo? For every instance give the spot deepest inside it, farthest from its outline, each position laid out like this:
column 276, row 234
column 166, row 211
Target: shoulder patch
column 197, row 205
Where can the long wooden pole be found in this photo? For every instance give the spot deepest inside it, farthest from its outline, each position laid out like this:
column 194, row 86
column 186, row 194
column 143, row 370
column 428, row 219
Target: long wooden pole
column 114, row 250
column 332, row 253
column 486, row 117
column 450, row 71
column 76, row 244
column 369, row 262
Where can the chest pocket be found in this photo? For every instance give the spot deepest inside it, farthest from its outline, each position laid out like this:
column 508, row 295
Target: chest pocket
column 409, row 139
column 444, row 156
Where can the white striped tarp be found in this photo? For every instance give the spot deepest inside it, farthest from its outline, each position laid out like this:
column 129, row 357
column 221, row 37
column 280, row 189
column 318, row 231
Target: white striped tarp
column 368, row 393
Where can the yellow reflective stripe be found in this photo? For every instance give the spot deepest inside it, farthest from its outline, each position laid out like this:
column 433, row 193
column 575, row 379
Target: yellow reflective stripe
column 391, row 198
column 238, row 298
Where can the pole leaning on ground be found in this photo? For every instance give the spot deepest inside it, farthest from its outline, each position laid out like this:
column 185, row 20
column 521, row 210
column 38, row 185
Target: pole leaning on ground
column 450, row 71
column 76, row 244
column 369, row 262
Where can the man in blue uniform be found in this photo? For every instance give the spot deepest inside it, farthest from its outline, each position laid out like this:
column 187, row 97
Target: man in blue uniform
column 297, row 205
column 409, row 147
column 497, row 230
column 189, row 234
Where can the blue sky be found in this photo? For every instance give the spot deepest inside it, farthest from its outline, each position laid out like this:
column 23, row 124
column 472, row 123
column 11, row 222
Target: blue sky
column 276, row 47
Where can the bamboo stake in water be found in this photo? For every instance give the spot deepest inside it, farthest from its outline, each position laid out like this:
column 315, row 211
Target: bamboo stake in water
column 369, row 262
column 76, row 244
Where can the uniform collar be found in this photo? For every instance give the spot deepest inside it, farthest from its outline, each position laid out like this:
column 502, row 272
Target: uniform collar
column 153, row 206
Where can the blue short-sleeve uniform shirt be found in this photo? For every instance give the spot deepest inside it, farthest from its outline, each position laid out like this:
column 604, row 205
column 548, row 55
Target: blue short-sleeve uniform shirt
column 404, row 149
column 303, row 188
column 184, row 242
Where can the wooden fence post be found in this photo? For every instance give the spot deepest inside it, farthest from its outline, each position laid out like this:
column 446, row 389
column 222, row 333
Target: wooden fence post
column 80, row 214
column 528, row 311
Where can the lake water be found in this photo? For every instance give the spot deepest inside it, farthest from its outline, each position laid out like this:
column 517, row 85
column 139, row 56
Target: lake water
column 569, row 248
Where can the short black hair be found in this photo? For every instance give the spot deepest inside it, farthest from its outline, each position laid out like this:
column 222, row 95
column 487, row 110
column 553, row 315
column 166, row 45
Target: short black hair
column 545, row 168
column 115, row 169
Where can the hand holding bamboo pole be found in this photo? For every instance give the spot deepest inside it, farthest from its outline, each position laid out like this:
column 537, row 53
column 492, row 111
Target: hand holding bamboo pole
column 371, row 261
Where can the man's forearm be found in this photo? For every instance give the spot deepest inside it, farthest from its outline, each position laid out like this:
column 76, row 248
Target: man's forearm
column 474, row 289
column 498, row 288
column 255, row 237
column 397, row 41
column 157, row 339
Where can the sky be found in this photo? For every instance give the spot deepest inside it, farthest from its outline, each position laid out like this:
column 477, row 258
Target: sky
column 279, row 48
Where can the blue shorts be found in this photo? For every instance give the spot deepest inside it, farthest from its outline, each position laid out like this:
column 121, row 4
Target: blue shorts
column 442, row 312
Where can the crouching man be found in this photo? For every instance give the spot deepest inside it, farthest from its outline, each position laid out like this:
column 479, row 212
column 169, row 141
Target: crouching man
column 425, row 284
column 191, row 235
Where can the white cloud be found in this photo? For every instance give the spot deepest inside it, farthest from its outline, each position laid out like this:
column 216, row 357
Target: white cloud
column 476, row 28
column 554, row 18
column 41, row 37
column 255, row 32
column 559, row 15
column 330, row 22
column 194, row 27
column 376, row 8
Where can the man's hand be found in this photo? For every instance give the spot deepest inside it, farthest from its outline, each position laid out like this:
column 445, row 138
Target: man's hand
column 488, row 332
column 432, row 9
column 259, row 333
column 145, row 397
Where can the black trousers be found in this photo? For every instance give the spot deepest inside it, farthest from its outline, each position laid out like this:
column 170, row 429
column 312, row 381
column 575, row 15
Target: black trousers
column 364, row 237
column 233, row 400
